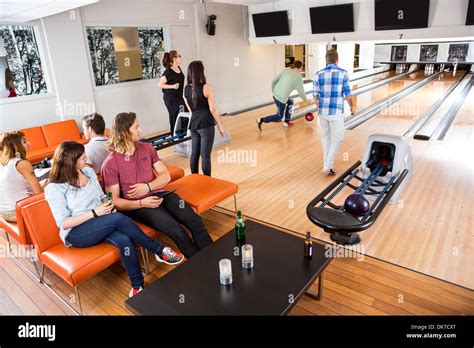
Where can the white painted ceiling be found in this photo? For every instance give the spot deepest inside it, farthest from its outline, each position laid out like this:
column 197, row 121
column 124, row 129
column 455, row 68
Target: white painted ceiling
column 19, row 11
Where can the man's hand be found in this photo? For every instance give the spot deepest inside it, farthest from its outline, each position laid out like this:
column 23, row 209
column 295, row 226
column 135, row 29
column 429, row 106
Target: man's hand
column 353, row 110
column 151, row 202
column 137, row 191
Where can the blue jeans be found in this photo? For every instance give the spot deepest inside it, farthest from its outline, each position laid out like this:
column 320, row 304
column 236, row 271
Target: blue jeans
column 282, row 110
column 121, row 232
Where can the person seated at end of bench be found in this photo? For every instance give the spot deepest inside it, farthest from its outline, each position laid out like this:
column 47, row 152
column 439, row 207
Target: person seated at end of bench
column 86, row 217
column 135, row 175
column 96, row 150
column 17, row 178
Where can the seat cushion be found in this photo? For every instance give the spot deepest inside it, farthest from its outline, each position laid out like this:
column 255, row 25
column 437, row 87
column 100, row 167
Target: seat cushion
column 56, row 133
column 201, row 191
column 77, row 264
column 39, row 154
column 12, row 229
column 35, row 137
column 175, row 173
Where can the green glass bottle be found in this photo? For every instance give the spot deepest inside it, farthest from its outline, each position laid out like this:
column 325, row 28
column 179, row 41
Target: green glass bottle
column 240, row 227
column 109, row 196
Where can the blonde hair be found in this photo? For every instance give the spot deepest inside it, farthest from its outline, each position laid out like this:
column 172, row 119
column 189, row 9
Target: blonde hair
column 11, row 147
column 332, row 56
column 120, row 138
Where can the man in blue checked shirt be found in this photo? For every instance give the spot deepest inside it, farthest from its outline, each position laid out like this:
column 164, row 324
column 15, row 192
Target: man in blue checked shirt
column 331, row 87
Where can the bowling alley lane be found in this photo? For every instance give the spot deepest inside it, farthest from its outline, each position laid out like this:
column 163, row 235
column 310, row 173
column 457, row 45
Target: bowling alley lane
column 461, row 127
column 400, row 116
column 373, row 96
column 371, row 79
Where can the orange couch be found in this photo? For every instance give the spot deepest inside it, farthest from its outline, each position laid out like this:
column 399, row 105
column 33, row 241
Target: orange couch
column 44, row 139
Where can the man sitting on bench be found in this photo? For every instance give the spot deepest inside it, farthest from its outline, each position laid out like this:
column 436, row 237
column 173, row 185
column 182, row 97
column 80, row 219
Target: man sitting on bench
column 135, row 175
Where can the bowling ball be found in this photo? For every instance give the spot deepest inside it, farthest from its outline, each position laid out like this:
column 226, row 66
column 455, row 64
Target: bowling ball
column 309, row 116
column 356, row 204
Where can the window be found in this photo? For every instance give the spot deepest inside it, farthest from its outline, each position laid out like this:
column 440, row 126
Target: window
column 21, row 72
column 120, row 54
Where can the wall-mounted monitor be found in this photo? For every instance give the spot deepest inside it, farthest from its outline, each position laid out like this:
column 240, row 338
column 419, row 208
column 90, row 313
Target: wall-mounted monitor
column 332, row 19
column 399, row 54
column 271, row 24
column 401, row 14
column 458, row 52
column 428, row 53
column 470, row 13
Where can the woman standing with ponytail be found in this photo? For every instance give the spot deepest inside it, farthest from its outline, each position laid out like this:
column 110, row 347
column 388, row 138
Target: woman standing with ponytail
column 172, row 83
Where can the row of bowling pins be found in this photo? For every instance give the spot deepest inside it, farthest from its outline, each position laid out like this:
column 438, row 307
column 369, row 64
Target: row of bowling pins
column 429, row 68
column 401, row 68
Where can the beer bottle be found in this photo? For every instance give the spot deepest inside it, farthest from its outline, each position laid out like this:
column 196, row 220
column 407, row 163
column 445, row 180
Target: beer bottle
column 240, row 227
column 308, row 246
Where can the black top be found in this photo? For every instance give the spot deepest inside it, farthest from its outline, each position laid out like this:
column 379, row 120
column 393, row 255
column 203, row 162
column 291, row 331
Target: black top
column 201, row 114
column 171, row 78
column 280, row 270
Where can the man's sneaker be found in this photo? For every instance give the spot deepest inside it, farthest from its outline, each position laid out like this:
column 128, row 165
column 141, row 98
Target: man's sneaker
column 330, row 171
column 169, row 256
column 134, row 291
column 259, row 124
column 288, row 124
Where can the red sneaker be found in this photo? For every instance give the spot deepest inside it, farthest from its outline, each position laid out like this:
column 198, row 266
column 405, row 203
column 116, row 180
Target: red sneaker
column 134, row 291
column 288, row 124
column 169, row 256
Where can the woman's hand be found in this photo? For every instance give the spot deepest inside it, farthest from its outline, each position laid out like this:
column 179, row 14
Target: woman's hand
column 104, row 208
column 176, row 86
column 151, row 202
column 221, row 129
column 138, row 190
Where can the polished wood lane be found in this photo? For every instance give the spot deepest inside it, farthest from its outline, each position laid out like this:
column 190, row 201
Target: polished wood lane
column 429, row 230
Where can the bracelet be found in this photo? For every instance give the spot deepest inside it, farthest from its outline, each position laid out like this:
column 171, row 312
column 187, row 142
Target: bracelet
column 94, row 213
column 140, row 201
column 149, row 188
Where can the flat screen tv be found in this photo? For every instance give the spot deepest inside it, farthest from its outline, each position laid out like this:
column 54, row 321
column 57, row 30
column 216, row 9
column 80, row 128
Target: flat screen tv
column 470, row 13
column 271, row 24
column 401, row 14
column 332, row 19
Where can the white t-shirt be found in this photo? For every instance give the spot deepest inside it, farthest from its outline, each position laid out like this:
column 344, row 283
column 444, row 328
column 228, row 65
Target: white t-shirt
column 13, row 187
column 96, row 152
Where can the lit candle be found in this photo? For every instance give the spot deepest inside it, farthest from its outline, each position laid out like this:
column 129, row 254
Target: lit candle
column 247, row 256
column 225, row 269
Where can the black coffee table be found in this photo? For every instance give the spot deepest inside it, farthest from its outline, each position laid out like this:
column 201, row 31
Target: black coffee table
column 281, row 275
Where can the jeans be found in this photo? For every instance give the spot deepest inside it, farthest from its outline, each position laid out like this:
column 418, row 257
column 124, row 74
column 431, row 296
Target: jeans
column 121, row 232
column 282, row 110
column 202, row 142
column 175, row 105
column 332, row 133
column 168, row 217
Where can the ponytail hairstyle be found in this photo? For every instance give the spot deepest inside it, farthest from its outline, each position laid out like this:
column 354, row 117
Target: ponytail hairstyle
column 169, row 57
column 196, row 79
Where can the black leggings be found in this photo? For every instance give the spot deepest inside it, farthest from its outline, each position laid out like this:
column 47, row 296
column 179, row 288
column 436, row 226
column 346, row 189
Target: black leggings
column 175, row 105
column 202, row 141
column 168, row 218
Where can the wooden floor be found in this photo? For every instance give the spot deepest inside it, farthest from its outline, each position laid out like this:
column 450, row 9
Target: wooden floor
column 430, row 230
column 351, row 287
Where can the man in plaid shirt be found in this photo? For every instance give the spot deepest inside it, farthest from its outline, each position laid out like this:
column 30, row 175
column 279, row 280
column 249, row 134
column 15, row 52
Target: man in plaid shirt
column 331, row 87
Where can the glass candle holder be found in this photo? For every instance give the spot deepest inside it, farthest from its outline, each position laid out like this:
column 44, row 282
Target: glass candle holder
column 247, row 256
column 225, row 270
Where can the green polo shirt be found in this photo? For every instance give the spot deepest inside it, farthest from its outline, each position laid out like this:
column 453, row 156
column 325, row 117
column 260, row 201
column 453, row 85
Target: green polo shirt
column 287, row 81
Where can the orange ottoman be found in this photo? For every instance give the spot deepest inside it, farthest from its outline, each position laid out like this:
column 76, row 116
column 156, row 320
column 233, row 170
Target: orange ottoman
column 202, row 192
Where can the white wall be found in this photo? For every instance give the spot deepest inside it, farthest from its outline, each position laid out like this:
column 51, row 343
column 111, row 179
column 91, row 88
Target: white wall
column 241, row 73
column 446, row 19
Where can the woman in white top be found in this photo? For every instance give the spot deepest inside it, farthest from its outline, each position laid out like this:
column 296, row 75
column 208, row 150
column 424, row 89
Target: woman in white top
column 17, row 179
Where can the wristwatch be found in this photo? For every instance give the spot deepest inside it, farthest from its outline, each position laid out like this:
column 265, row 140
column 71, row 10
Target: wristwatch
column 94, row 213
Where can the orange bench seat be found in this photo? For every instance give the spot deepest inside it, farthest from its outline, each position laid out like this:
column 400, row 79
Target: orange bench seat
column 202, row 192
